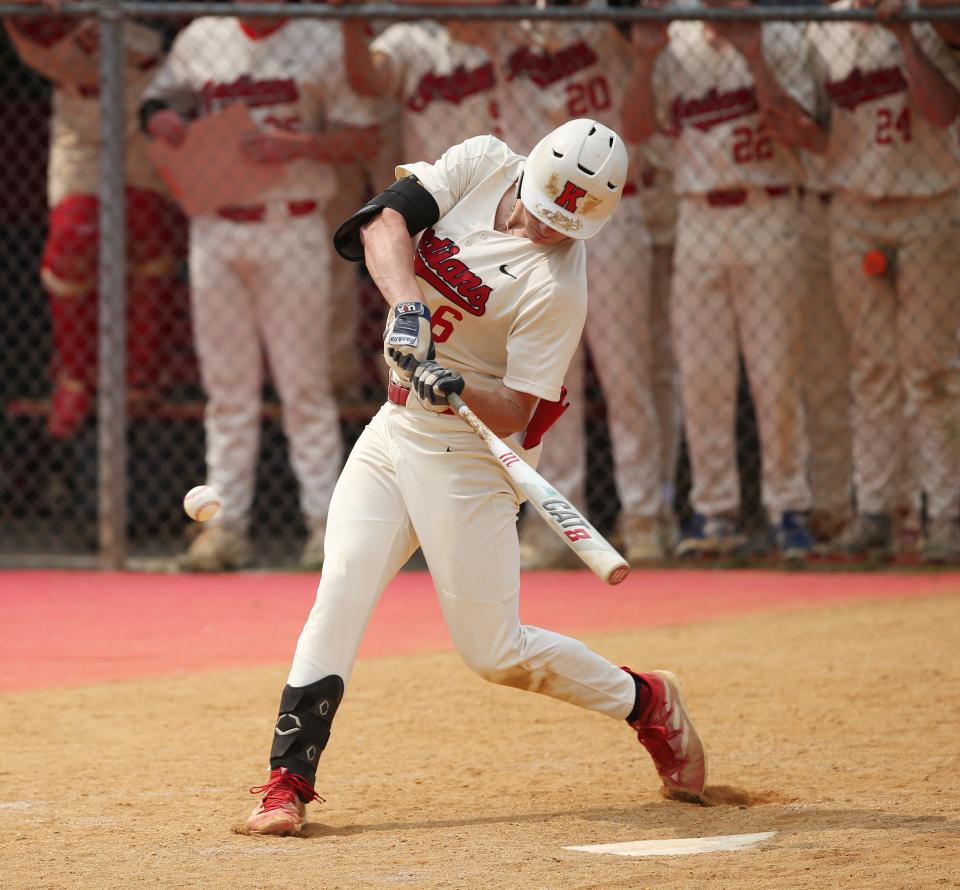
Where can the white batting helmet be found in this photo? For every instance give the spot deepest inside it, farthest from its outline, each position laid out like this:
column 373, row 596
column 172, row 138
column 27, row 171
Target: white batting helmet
column 573, row 178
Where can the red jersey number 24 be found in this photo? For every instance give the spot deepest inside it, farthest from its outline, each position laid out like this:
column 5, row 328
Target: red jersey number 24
column 891, row 125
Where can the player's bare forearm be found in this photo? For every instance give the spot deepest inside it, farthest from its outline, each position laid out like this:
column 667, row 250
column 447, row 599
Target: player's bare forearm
column 792, row 127
column 343, row 146
column 935, row 97
column 388, row 253
column 638, row 114
column 367, row 72
column 769, row 92
column 504, row 410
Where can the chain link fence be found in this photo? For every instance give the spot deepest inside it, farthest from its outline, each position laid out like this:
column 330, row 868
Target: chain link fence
column 770, row 360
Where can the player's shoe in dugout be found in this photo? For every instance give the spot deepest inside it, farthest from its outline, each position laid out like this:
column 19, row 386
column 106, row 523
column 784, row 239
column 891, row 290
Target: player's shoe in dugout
column 792, row 536
column 218, row 548
column 711, row 536
column 869, row 535
column 941, row 542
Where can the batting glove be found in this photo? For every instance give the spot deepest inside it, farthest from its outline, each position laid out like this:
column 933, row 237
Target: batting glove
column 407, row 340
column 433, row 384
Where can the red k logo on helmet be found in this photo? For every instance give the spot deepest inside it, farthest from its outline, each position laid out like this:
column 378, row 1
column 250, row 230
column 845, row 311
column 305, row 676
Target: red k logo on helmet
column 567, row 199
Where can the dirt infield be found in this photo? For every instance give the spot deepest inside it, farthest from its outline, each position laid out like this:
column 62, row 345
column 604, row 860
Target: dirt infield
column 836, row 727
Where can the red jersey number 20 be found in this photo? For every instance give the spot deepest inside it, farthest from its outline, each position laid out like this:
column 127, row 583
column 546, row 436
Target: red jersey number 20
column 584, row 96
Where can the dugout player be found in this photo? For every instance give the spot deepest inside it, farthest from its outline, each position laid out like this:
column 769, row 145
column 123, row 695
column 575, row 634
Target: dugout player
column 499, row 271
column 548, row 73
column 65, row 49
column 739, row 266
column 259, row 273
column 892, row 95
column 443, row 80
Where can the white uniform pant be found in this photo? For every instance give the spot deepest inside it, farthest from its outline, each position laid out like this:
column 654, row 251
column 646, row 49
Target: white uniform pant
column 621, row 331
column 665, row 378
column 659, row 203
column 402, row 487
column 826, row 371
column 903, row 347
column 265, row 287
column 738, row 286
column 342, row 339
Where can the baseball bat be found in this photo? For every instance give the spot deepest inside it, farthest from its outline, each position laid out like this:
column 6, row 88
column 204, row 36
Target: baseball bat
column 565, row 519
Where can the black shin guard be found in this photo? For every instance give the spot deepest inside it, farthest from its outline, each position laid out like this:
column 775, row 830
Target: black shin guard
column 303, row 727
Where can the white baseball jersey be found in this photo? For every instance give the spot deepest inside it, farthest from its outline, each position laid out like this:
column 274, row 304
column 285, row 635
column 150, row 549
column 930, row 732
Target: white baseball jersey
column 707, row 100
column 503, row 308
column 291, row 78
column 71, row 61
column 556, row 72
column 444, row 86
column 550, row 73
column 880, row 143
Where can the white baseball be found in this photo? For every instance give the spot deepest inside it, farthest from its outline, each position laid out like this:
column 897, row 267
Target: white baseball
column 201, row 503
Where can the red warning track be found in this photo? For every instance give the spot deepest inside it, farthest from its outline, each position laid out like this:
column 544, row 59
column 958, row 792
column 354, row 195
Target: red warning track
column 67, row 628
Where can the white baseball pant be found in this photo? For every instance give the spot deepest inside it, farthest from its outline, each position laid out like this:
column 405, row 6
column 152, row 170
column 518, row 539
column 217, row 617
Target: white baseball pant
column 664, row 377
column 903, row 348
column 619, row 330
column 402, row 487
column 659, row 204
column 344, row 354
column 738, row 287
column 826, row 370
column 264, row 287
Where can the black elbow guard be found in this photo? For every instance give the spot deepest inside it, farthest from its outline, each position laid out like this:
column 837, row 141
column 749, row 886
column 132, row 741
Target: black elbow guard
column 410, row 199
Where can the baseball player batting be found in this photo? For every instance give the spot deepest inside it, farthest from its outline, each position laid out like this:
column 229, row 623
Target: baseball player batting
column 709, row 85
column 489, row 305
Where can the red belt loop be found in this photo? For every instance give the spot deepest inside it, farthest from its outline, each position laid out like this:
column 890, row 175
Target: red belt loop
column 727, row 198
column 254, row 213
column 237, row 213
column 738, row 197
column 301, row 208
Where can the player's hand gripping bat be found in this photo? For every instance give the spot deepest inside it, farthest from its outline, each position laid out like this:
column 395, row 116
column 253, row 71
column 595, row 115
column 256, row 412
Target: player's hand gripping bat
column 565, row 519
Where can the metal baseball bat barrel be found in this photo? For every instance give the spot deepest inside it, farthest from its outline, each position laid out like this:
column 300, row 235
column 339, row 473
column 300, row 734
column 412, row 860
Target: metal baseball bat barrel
column 562, row 516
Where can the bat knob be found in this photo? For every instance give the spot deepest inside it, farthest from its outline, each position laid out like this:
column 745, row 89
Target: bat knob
column 618, row 574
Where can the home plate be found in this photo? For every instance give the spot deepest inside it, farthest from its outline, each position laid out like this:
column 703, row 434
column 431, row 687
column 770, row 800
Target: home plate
column 681, row 846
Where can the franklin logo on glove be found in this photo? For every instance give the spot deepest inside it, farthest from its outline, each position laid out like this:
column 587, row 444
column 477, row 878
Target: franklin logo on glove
column 407, row 340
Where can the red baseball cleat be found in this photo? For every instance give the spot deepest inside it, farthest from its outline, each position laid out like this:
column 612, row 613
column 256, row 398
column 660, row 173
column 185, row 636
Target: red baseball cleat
column 667, row 732
column 283, row 807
